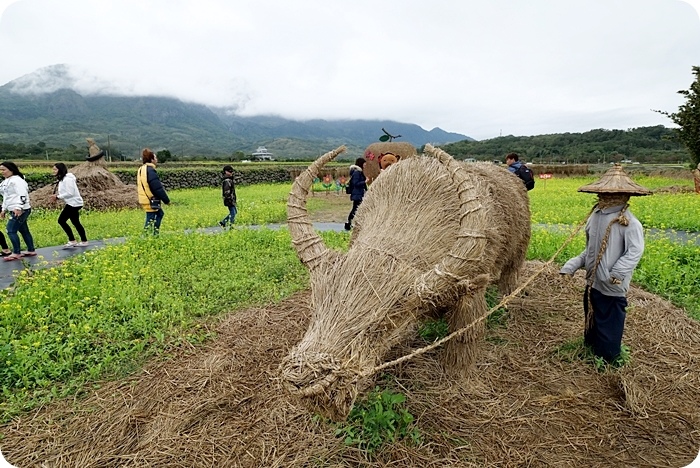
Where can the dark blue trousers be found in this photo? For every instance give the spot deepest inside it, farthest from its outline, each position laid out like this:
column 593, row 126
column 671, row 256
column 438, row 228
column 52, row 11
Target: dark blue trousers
column 605, row 333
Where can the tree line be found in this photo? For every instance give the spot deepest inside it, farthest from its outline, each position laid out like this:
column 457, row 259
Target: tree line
column 656, row 144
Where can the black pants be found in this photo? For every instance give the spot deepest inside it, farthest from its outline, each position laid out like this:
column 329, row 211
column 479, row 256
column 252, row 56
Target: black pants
column 72, row 213
column 605, row 334
column 355, row 204
column 3, row 242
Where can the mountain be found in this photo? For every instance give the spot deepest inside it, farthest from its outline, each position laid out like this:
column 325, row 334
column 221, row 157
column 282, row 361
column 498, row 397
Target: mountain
column 51, row 106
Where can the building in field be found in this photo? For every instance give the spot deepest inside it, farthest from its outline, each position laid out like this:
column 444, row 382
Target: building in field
column 262, row 154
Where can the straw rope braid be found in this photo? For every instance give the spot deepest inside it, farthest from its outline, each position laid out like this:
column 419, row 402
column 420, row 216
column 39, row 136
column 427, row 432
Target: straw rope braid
column 622, row 219
column 463, row 330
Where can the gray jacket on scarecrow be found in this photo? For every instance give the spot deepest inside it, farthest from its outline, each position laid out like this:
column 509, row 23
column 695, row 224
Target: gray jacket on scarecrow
column 625, row 247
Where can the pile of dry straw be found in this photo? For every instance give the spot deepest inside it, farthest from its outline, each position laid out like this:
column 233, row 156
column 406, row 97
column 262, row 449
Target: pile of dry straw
column 524, row 403
column 100, row 189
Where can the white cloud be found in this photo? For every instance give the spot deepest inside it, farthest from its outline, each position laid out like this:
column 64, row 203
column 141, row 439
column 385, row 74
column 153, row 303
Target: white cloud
column 474, row 67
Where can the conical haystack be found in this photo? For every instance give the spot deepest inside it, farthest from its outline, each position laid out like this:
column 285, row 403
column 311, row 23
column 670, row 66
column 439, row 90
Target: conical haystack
column 615, row 180
column 100, row 189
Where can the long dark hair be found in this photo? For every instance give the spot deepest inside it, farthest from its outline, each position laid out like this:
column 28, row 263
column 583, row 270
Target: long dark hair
column 13, row 168
column 62, row 170
column 360, row 162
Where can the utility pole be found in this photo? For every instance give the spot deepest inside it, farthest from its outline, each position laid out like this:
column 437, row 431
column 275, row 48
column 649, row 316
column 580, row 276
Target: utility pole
column 109, row 152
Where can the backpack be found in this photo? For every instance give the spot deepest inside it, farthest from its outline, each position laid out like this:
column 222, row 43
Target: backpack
column 348, row 188
column 525, row 173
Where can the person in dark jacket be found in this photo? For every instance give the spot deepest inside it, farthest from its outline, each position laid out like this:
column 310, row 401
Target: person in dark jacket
column 151, row 191
column 228, row 191
column 358, row 183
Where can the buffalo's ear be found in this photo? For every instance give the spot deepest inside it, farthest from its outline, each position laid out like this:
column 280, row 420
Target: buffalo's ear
column 461, row 270
column 310, row 248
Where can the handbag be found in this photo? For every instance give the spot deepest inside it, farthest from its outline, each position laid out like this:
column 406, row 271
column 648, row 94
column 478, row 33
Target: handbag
column 153, row 201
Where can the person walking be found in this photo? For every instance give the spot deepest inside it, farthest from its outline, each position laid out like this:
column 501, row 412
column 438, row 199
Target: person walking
column 67, row 190
column 358, row 186
column 515, row 166
column 614, row 246
column 15, row 205
column 150, row 191
column 3, row 242
column 228, row 192
column 5, row 248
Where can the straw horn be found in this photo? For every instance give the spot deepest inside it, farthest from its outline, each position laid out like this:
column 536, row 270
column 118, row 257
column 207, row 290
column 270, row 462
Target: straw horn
column 448, row 279
column 309, row 246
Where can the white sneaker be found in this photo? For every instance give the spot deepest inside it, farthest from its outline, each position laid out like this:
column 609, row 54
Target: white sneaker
column 70, row 244
column 82, row 244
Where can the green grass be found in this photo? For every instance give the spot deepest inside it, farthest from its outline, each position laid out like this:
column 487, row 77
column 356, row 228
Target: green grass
column 380, row 418
column 576, row 350
column 189, row 209
column 559, row 202
column 102, row 313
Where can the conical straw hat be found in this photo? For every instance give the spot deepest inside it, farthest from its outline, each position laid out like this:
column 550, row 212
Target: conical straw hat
column 615, row 181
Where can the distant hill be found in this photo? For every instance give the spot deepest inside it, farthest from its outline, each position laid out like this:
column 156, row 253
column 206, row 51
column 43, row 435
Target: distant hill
column 62, row 117
column 655, row 144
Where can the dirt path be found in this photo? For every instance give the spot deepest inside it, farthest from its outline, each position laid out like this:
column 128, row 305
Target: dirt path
column 528, row 402
column 332, row 208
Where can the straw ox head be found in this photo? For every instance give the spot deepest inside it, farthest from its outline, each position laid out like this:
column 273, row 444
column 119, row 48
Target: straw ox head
column 430, row 235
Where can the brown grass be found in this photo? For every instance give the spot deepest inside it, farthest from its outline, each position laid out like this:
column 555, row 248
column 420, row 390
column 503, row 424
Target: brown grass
column 221, row 404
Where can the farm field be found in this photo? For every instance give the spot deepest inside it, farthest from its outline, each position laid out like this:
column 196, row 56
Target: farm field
column 171, row 345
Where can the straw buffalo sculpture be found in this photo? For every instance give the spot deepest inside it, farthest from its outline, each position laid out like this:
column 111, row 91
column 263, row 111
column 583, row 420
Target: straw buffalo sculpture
column 454, row 229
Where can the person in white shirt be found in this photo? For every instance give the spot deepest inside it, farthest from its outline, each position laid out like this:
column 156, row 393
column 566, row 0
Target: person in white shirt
column 67, row 190
column 15, row 204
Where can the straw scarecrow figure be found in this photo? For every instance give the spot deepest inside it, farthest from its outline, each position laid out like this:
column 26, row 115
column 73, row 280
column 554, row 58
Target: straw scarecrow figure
column 454, row 228
column 614, row 246
column 696, row 177
column 94, row 151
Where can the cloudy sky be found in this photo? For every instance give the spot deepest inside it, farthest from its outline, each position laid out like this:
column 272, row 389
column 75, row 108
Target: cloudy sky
column 477, row 67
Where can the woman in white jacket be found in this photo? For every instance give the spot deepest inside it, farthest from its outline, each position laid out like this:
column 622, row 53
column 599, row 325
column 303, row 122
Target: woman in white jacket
column 67, row 190
column 15, row 203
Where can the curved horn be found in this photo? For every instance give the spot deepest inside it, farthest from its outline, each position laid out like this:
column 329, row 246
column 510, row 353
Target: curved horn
column 452, row 275
column 309, row 246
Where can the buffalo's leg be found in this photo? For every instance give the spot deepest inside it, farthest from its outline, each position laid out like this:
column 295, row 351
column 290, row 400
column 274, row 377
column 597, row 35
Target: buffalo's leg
column 510, row 272
column 460, row 352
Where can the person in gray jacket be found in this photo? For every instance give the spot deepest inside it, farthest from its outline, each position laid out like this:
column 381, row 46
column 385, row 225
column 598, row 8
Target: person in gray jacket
column 614, row 246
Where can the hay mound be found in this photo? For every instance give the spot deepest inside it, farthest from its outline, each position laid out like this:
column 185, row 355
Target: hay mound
column 526, row 404
column 100, row 189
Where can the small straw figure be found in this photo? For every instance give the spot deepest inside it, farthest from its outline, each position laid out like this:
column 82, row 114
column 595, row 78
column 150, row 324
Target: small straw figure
column 95, row 154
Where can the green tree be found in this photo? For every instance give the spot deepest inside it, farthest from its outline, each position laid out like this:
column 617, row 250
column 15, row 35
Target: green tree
column 164, row 156
column 688, row 118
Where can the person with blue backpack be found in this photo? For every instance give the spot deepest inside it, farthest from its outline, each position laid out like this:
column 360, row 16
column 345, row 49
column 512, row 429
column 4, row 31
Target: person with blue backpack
column 521, row 170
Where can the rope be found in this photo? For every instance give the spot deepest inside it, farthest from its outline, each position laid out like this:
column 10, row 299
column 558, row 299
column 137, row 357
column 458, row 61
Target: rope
column 464, row 329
